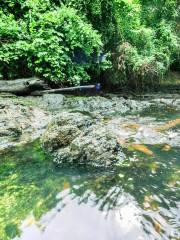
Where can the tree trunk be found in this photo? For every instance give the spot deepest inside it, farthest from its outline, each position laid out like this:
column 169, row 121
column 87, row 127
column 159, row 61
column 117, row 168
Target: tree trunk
column 67, row 89
column 22, row 86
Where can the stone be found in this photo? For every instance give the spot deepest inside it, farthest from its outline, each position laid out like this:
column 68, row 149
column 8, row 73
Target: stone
column 76, row 138
column 64, row 129
column 53, row 101
column 20, row 123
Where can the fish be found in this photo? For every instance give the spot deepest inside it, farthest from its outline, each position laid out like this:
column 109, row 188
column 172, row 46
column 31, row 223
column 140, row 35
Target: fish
column 133, row 146
column 168, row 125
column 141, row 148
column 131, row 126
column 166, row 148
column 157, row 226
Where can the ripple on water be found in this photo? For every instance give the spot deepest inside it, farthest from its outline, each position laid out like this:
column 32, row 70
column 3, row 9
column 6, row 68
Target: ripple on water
column 137, row 200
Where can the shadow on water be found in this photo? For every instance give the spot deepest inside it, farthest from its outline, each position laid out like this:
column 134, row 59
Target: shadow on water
column 137, row 200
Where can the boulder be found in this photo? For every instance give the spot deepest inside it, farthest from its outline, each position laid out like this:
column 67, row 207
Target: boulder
column 77, row 138
column 19, row 123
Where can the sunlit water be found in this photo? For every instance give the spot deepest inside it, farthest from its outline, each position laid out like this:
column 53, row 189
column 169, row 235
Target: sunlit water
column 135, row 201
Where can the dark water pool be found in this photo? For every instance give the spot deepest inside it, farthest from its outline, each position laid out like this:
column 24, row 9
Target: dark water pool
column 138, row 200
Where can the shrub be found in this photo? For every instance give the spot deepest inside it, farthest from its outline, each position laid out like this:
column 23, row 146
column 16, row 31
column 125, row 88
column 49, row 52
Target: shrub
column 57, row 45
column 13, row 46
column 52, row 39
column 57, row 38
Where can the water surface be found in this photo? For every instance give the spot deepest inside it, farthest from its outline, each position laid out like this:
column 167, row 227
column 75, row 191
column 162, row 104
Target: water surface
column 137, row 200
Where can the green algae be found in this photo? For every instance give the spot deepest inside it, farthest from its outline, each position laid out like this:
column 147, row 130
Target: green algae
column 30, row 182
column 24, row 187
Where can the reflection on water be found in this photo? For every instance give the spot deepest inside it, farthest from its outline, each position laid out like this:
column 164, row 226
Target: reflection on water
column 85, row 221
column 137, row 200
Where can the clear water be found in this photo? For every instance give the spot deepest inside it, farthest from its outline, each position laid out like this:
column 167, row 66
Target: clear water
column 138, row 200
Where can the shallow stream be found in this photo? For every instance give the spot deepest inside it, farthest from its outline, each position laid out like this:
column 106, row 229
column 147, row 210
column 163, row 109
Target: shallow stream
column 137, row 200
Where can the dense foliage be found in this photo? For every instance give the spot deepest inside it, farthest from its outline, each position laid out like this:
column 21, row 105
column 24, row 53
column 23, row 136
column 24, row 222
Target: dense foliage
column 47, row 42
column 63, row 41
column 141, row 35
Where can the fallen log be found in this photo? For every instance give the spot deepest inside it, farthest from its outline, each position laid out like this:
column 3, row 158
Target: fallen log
column 22, row 86
column 96, row 87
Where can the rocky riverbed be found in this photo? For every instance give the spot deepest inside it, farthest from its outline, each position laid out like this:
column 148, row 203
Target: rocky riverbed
column 95, row 130
column 113, row 159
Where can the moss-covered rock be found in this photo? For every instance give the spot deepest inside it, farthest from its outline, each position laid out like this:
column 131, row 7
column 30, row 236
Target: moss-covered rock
column 74, row 137
column 20, row 123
